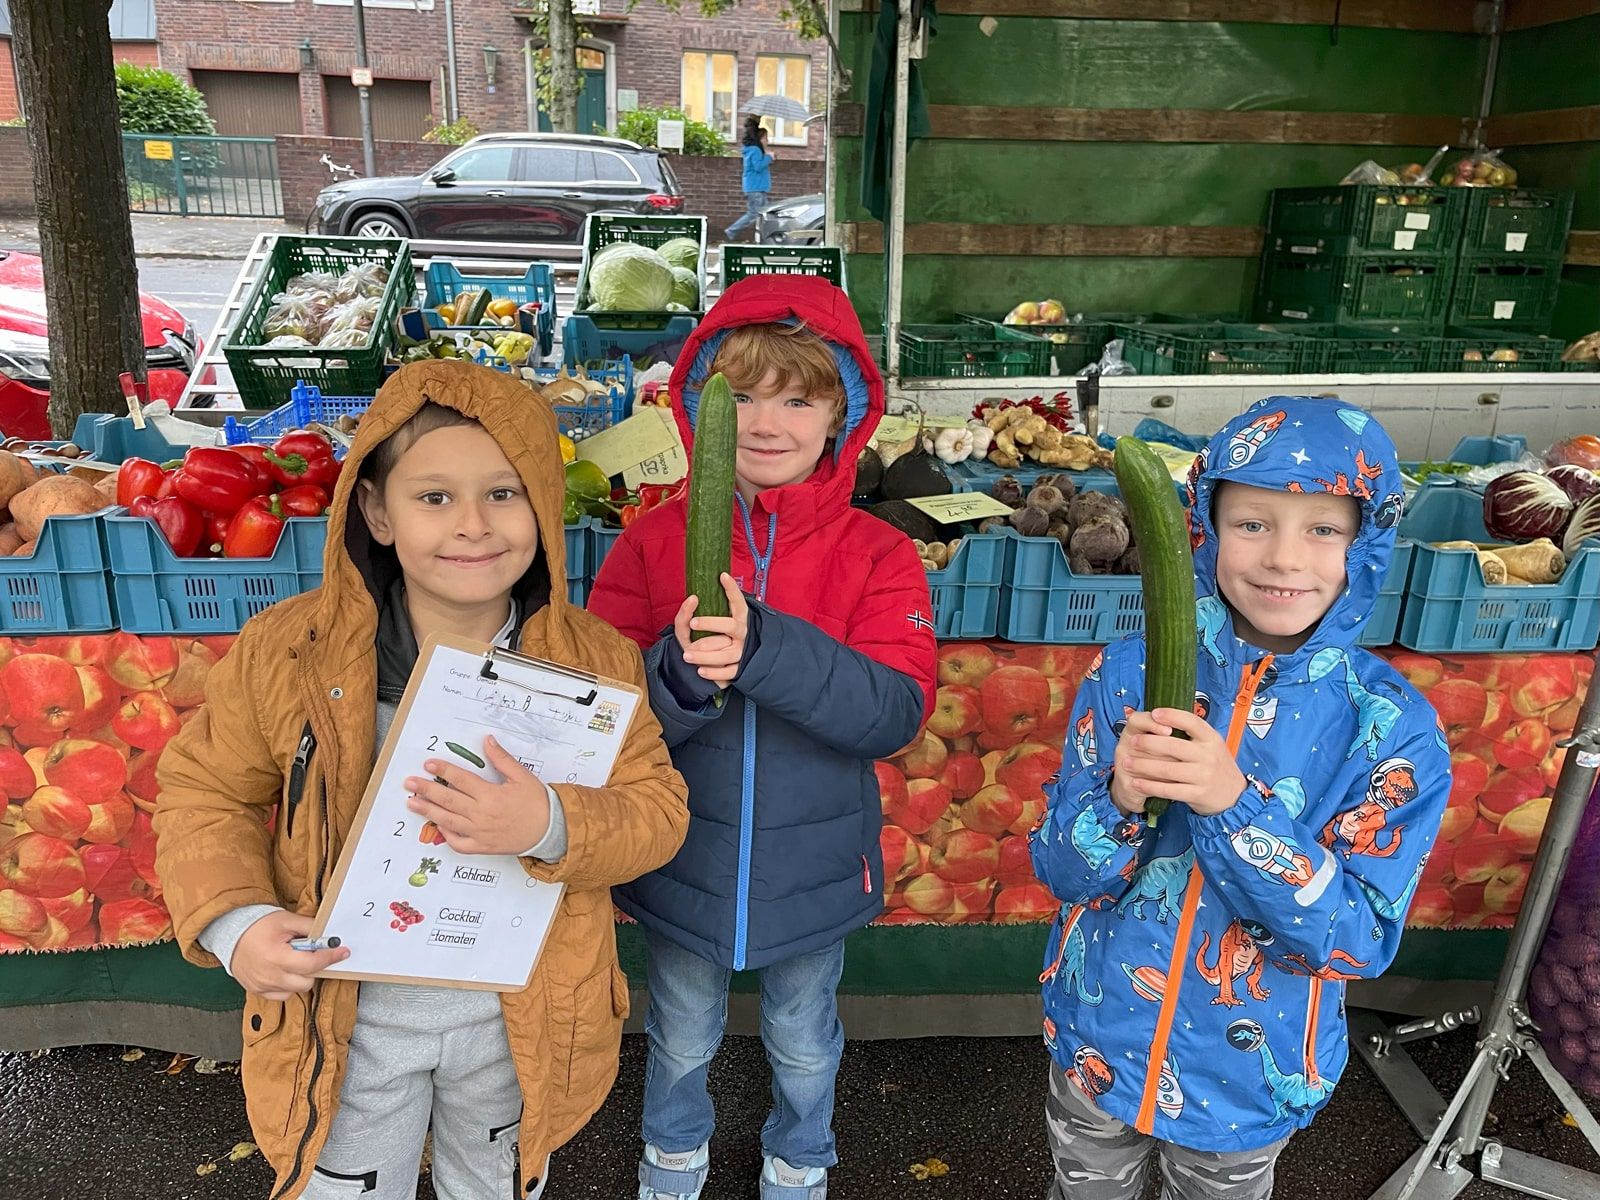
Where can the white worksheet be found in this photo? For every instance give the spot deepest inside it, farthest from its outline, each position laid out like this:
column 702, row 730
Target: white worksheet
column 409, row 908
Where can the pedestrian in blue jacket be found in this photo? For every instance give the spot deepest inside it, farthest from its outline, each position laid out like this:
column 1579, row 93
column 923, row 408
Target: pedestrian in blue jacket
column 1194, row 980
column 756, row 181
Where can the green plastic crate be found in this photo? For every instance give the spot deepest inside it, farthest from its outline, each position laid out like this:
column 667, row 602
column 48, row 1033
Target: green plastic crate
column 1215, row 349
column 1506, row 290
column 1470, row 350
column 1365, row 218
column 970, row 352
column 1073, row 344
column 1522, row 221
column 605, row 229
column 741, row 261
column 1356, row 289
column 1365, row 350
column 264, row 376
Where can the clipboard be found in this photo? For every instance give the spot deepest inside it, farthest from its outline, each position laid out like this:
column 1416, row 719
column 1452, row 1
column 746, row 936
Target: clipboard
column 410, row 909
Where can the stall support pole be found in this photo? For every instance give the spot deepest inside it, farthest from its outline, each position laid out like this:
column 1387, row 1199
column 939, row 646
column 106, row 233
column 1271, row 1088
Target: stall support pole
column 830, row 149
column 894, row 231
column 1497, row 27
column 1437, row 1171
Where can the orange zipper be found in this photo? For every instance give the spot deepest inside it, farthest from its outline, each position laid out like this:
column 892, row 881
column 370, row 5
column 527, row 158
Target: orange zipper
column 1313, row 1014
column 1145, row 1123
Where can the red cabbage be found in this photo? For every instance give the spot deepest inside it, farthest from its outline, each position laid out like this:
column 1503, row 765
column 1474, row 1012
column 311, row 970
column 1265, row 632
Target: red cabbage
column 1578, row 482
column 1524, row 505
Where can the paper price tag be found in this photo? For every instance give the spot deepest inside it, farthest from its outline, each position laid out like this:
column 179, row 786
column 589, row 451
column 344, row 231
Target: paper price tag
column 1516, row 241
column 1504, row 309
column 962, row 506
column 1405, row 239
column 667, row 467
column 1419, row 220
column 649, row 434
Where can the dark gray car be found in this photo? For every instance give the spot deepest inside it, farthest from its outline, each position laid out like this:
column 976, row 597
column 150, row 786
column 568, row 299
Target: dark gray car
column 505, row 187
column 797, row 221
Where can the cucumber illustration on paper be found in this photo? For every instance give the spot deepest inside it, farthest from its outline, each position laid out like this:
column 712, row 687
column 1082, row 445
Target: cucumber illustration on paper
column 462, row 752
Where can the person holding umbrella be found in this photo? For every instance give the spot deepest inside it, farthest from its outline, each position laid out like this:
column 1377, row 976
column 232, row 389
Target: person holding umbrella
column 757, row 181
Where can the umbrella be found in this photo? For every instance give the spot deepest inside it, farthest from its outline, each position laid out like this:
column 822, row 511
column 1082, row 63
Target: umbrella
column 781, row 107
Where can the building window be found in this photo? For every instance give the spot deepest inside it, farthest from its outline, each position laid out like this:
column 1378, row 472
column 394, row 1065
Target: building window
column 710, row 89
column 784, row 75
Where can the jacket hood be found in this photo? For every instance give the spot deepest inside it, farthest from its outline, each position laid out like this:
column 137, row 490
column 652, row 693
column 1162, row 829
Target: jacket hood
column 823, row 309
column 1298, row 444
column 357, row 569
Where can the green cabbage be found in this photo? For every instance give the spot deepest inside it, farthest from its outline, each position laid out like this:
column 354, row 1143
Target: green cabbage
column 629, row 278
column 685, row 287
column 676, row 307
column 681, row 252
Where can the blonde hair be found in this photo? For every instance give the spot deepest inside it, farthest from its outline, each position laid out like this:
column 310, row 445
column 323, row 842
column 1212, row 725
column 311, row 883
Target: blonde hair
column 800, row 358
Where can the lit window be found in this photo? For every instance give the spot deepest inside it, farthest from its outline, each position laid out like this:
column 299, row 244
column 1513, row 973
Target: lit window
column 710, row 88
column 784, row 75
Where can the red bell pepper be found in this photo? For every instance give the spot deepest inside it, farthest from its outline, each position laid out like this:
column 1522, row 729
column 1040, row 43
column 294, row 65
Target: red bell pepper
column 217, row 480
column 254, row 530
column 180, row 523
column 138, row 477
column 630, row 513
column 257, row 456
column 169, row 484
column 303, row 501
column 303, row 457
column 216, row 531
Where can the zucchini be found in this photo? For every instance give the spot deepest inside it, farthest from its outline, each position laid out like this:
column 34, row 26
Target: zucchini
column 708, row 548
column 471, row 306
column 1167, row 559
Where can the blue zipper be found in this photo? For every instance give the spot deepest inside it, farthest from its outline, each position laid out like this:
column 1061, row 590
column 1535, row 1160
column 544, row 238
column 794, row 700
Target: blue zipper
column 747, row 798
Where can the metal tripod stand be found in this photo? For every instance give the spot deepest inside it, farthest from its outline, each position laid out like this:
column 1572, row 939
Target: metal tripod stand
column 1454, row 1131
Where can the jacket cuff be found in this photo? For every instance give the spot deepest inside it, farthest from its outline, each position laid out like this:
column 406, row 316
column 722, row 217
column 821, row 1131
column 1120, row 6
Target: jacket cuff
column 553, row 845
column 1215, row 830
column 221, row 937
column 687, row 686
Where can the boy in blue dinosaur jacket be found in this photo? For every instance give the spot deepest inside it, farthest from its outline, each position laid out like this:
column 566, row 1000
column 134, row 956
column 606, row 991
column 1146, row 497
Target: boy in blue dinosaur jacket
column 1194, row 980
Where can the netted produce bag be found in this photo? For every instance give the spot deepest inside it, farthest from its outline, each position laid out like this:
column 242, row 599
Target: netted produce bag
column 296, row 314
column 366, row 281
column 351, row 320
column 1564, row 989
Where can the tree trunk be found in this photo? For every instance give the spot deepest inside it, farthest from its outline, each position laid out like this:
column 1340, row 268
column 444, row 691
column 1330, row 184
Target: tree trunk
column 563, row 67
column 68, row 88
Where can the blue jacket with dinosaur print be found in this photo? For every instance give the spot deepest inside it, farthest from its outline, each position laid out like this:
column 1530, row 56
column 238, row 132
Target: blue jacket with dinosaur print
column 1194, row 978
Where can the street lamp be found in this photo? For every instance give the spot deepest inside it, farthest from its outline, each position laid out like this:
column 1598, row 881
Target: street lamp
column 491, row 64
column 308, row 56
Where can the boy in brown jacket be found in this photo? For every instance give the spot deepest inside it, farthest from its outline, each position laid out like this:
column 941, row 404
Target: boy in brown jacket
column 447, row 517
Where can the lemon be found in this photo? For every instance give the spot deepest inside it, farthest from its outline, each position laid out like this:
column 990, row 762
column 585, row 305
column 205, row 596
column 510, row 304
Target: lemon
column 569, row 451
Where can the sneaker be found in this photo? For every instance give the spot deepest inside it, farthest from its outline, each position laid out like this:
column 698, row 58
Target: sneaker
column 665, row 1176
column 780, row 1181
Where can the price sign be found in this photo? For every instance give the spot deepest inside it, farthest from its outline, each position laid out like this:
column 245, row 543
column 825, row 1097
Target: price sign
column 649, row 437
column 962, row 506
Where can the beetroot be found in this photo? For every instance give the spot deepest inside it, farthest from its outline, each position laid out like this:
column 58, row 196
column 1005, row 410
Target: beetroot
column 1542, row 992
column 1566, row 981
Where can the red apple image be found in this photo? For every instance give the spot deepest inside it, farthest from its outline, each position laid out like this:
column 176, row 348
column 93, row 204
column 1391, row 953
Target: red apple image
column 34, row 757
column 963, row 775
column 74, row 911
column 90, row 770
column 1461, row 705
column 1059, row 715
column 38, row 865
column 8, row 650
column 1503, row 891
column 110, row 820
column 12, row 945
column 42, row 691
column 967, row 743
column 141, row 843
column 143, row 790
column 1025, row 768
column 966, row 856
column 992, row 810
column 1032, row 810
column 925, row 759
column 1508, row 789
column 1441, row 865
column 142, row 664
column 1523, row 826
column 109, row 874
column 146, row 721
column 21, row 915
column 899, row 852
column 57, row 813
column 929, row 896
column 925, row 802
column 100, row 698
column 1469, row 774
column 1015, row 701
column 1469, row 907
column 1024, row 902
column 899, row 915
column 142, row 783
column 130, row 922
column 965, row 663
column 1497, row 715
column 187, row 688
column 1563, row 719
column 81, row 650
column 999, row 739
column 991, row 766
column 54, row 936
column 1479, row 857
column 16, row 775
column 1524, row 744
column 972, row 903
column 1549, row 680
column 1458, row 817
column 1016, row 864
column 955, row 711
column 1550, row 769
column 1431, row 908
column 1422, row 671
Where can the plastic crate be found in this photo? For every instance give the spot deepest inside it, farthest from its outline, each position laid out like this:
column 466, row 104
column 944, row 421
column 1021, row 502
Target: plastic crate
column 158, row 592
column 1408, row 292
column 1366, row 350
column 970, row 352
column 1474, row 350
column 1046, row 602
column 1591, row 365
column 1384, row 623
column 1506, row 292
column 306, row 404
column 741, row 261
column 1516, row 221
column 443, row 282
column 1365, row 218
column 1073, row 344
column 1448, row 607
column 264, row 376
column 115, row 440
column 1217, row 349
column 603, row 337
column 982, row 475
column 601, row 538
column 578, row 579
column 62, row 587
column 587, row 419
column 966, row 594
column 1483, row 451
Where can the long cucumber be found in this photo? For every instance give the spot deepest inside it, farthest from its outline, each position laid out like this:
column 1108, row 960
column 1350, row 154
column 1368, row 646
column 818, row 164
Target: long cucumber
column 708, row 548
column 1167, row 567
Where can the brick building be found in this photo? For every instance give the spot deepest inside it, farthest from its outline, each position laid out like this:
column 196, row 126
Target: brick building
column 133, row 39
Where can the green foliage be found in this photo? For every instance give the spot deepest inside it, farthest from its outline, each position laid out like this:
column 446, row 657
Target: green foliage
column 143, row 193
column 13, row 122
column 808, row 18
column 640, row 126
column 150, row 100
column 450, row 133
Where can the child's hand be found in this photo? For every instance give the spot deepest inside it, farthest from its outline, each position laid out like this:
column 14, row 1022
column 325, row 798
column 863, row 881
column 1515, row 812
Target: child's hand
column 479, row 817
column 265, row 963
column 1199, row 772
column 718, row 657
column 1126, row 792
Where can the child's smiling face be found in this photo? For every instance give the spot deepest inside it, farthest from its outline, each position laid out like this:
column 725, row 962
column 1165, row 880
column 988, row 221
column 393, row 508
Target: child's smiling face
column 1281, row 559
column 782, row 434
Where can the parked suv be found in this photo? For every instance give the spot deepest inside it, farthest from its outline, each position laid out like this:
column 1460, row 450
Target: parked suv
column 505, row 187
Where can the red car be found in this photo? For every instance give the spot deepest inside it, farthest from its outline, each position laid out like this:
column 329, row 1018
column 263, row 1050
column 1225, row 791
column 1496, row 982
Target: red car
column 170, row 346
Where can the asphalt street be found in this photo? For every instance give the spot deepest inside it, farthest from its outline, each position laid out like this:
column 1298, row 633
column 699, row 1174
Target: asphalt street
column 195, row 287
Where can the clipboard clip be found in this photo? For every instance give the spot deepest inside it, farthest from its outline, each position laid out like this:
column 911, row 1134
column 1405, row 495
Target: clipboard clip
column 586, row 699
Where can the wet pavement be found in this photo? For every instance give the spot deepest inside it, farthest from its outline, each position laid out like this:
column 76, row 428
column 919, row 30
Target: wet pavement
column 82, row 1124
column 168, row 237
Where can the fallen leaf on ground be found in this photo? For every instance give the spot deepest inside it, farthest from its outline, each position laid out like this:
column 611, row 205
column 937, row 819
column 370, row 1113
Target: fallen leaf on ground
column 241, row 1150
column 933, row 1168
column 133, row 1056
column 205, row 1066
column 178, row 1063
column 205, row 1168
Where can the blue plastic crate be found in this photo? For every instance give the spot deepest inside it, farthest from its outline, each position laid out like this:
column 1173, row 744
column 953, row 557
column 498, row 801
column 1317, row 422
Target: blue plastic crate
column 1046, row 602
column 981, row 475
column 578, row 580
column 306, row 404
column 585, row 420
column 601, row 538
column 63, row 586
column 115, row 440
column 1448, row 606
column 1384, row 623
column 654, row 338
column 966, row 594
column 158, row 592
column 444, row 282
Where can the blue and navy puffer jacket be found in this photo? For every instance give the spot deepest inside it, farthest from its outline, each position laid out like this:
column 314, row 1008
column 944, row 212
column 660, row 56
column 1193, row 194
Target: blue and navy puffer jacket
column 782, row 856
column 1194, row 979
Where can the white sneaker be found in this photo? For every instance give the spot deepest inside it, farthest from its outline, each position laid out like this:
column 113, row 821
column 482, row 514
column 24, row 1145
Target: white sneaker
column 665, row 1176
column 780, row 1181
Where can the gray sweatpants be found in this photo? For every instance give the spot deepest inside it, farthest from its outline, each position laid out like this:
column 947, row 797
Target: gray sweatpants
column 1097, row 1157
column 422, row 1055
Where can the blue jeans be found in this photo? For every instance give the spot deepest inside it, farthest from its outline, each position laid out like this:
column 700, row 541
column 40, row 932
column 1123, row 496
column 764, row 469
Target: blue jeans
column 754, row 202
column 799, row 1027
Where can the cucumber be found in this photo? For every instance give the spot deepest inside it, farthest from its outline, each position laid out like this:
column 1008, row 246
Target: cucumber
column 463, row 752
column 471, row 306
column 1168, row 580
column 708, row 548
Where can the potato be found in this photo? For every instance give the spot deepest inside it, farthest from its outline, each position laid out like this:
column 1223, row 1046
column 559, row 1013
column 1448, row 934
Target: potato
column 10, row 539
column 56, row 495
column 15, row 475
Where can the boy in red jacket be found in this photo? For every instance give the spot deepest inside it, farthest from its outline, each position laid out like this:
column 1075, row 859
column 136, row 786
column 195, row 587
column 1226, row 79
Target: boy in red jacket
column 826, row 663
